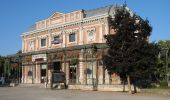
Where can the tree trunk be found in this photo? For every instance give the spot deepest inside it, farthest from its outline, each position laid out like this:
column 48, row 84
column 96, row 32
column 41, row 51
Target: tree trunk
column 129, row 84
column 123, row 85
column 135, row 88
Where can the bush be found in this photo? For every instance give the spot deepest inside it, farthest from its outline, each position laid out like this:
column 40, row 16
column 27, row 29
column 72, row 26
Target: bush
column 163, row 84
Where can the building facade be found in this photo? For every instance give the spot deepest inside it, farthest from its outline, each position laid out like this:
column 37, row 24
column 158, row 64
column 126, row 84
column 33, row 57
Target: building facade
column 69, row 42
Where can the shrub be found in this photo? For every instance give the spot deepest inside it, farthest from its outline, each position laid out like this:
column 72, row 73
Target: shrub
column 163, row 84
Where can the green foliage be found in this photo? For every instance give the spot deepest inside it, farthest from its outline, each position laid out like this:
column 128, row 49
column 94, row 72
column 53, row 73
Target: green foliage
column 129, row 51
column 164, row 43
column 164, row 55
column 2, row 61
column 163, row 84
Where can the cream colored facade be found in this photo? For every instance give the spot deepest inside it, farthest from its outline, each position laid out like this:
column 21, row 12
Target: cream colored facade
column 62, row 37
column 62, row 25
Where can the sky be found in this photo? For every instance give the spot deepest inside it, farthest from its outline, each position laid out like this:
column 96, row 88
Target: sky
column 16, row 16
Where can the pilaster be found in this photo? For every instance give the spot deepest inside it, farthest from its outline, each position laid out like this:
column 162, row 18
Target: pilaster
column 81, row 36
column 81, row 67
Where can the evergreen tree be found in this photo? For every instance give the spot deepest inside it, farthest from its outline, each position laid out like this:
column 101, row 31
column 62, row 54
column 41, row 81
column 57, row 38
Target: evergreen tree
column 130, row 55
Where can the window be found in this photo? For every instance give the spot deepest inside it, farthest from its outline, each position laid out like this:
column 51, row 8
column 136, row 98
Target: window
column 43, row 42
column 72, row 37
column 30, row 71
column 56, row 38
column 31, row 45
column 91, row 35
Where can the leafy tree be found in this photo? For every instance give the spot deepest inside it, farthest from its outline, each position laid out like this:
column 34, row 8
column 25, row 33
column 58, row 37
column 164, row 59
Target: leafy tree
column 164, row 55
column 2, row 60
column 130, row 55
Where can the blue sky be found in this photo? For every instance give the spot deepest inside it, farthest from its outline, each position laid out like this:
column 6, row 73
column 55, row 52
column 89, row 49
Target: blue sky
column 16, row 16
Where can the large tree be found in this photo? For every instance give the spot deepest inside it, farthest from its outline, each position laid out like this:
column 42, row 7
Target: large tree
column 164, row 60
column 130, row 55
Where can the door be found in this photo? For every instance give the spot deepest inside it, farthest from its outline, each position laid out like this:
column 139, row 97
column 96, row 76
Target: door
column 43, row 72
column 73, row 70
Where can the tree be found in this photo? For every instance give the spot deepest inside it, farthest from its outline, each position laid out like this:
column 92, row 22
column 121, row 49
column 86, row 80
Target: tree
column 2, row 60
column 130, row 55
column 164, row 55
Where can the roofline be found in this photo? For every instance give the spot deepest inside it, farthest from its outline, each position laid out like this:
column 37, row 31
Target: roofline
column 61, row 25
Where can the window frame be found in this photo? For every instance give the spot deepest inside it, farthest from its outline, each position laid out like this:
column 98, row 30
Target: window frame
column 69, row 37
column 41, row 42
column 91, row 38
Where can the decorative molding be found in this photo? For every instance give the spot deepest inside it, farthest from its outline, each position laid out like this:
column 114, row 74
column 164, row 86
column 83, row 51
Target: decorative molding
column 84, row 20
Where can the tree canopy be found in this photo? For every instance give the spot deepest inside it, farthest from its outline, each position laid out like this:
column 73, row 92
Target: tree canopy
column 130, row 53
column 164, row 60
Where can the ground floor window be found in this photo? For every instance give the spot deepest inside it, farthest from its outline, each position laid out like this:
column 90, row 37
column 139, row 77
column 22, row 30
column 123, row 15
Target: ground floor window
column 30, row 73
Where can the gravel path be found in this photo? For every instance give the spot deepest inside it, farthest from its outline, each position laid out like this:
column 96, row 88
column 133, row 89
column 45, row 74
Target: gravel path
column 19, row 93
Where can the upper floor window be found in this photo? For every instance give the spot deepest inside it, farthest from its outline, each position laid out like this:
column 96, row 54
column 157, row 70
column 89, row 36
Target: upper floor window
column 91, row 35
column 31, row 45
column 72, row 37
column 56, row 40
column 43, row 42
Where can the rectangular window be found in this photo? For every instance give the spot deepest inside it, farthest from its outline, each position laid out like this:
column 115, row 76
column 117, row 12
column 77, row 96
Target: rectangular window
column 56, row 38
column 43, row 42
column 72, row 37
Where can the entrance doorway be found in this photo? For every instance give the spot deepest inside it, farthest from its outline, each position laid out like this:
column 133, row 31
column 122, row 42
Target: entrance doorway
column 73, row 74
column 43, row 72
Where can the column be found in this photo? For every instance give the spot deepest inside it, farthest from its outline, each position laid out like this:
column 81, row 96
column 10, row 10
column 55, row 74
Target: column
column 67, row 73
column 23, row 74
column 34, row 73
column 101, row 73
column 101, row 33
column 50, row 38
column 81, row 67
column 36, row 45
column 106, row 26
column 36, row 67
column 107, row 77
column 64, row 39
column 38, row 72
column 94, row 78
column 81, row 36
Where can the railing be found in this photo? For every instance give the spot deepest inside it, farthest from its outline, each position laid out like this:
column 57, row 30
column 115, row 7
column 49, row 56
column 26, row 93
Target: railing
column 93, row 81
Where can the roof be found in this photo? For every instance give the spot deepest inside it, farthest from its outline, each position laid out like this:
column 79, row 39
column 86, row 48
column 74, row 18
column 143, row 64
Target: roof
column 109, row 10
column 100, row 11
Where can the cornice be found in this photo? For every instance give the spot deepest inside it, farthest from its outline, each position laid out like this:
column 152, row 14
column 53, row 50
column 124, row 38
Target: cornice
column 84, row 20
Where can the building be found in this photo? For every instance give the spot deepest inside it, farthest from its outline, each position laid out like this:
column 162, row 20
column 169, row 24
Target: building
column 72, row 43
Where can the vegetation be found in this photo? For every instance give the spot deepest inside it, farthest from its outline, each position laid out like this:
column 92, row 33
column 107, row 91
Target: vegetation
column 2, row 60
column 130, row 55
column 164, row 62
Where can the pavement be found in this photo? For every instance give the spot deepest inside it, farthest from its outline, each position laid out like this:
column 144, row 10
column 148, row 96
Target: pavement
column 22, row 93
